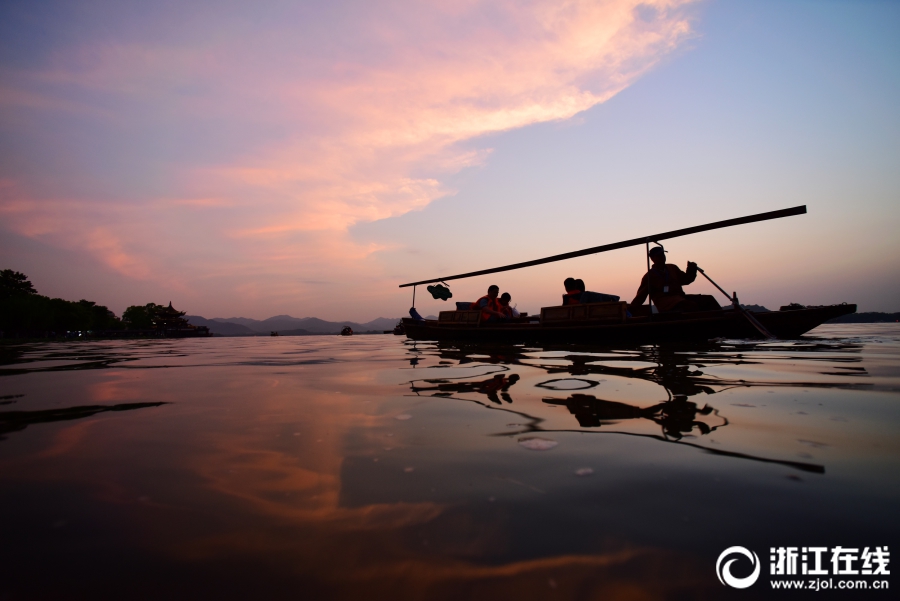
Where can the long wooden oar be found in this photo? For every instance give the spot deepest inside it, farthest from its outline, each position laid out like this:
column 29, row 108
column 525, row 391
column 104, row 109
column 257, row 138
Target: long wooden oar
column 737, row 307
column 624, row 244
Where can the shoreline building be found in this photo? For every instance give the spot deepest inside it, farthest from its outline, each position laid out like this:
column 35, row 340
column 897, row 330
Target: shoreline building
column 170, row 322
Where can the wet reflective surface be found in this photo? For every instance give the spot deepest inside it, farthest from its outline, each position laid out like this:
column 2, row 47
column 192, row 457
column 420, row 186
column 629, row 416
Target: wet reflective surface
column 370, row 466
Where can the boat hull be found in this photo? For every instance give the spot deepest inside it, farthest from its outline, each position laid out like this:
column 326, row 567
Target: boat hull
column 661, row 327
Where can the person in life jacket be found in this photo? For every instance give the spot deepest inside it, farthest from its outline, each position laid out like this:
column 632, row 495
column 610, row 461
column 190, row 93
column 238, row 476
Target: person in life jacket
column 508, row 312
column 664, row 284
column 491, row 310
column 573, row 291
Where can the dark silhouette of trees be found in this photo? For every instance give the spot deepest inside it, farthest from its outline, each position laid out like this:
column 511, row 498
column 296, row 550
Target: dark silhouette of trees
column 13, row 283
column 137, row 317
column 24, row 312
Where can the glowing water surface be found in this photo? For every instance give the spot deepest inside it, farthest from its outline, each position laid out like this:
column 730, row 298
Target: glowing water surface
column 373, row 467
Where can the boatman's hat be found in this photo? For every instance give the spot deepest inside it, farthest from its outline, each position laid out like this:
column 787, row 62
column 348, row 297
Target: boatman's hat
column 657, row 250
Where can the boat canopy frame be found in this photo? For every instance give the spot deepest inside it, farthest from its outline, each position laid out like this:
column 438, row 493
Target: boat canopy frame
column 799, row 210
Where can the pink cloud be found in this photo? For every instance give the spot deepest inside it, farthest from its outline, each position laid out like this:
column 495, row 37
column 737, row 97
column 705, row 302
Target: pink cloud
column 364, row 131
column 80, row 225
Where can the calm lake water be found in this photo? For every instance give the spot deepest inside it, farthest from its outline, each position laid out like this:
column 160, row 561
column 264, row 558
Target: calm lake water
column 375, row 467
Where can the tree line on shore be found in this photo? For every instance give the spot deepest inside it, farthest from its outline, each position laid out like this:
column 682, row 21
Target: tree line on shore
column 25, row 312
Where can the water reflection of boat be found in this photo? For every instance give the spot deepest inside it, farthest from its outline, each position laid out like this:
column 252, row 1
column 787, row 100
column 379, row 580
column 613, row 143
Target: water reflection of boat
column 677, row 369
column 495, row 388
column 677, row 417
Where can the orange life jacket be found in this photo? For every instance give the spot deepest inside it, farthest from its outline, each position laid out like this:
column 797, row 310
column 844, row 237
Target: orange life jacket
column 492, row 303
column 572, row 298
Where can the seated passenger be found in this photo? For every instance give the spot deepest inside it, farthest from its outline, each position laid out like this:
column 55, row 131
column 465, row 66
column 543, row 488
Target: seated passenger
column 508, row 312
column 491, row 309
column 577, row 295
column 663, row 283
column 573, row 292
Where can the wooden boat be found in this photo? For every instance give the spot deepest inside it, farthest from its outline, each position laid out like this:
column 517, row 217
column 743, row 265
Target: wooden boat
column 601, row 323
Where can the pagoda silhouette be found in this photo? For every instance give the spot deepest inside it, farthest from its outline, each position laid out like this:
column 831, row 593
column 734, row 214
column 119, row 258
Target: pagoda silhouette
column 170, row 322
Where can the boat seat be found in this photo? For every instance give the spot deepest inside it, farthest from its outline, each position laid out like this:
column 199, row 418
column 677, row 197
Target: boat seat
column 606, row 312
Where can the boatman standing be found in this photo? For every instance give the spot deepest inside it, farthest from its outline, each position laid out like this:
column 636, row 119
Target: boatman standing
column 491, row 310
column 663, row 282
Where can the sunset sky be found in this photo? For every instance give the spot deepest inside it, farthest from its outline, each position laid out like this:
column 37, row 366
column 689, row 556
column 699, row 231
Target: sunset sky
column 305, row 158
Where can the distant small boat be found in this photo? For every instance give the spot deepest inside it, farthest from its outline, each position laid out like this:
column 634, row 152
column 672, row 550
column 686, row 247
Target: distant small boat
column 347, row 331
column 274, row 334
column 398, row 330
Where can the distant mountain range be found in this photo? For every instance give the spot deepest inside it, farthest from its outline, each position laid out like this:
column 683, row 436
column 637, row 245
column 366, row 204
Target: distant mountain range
column 286, row 325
